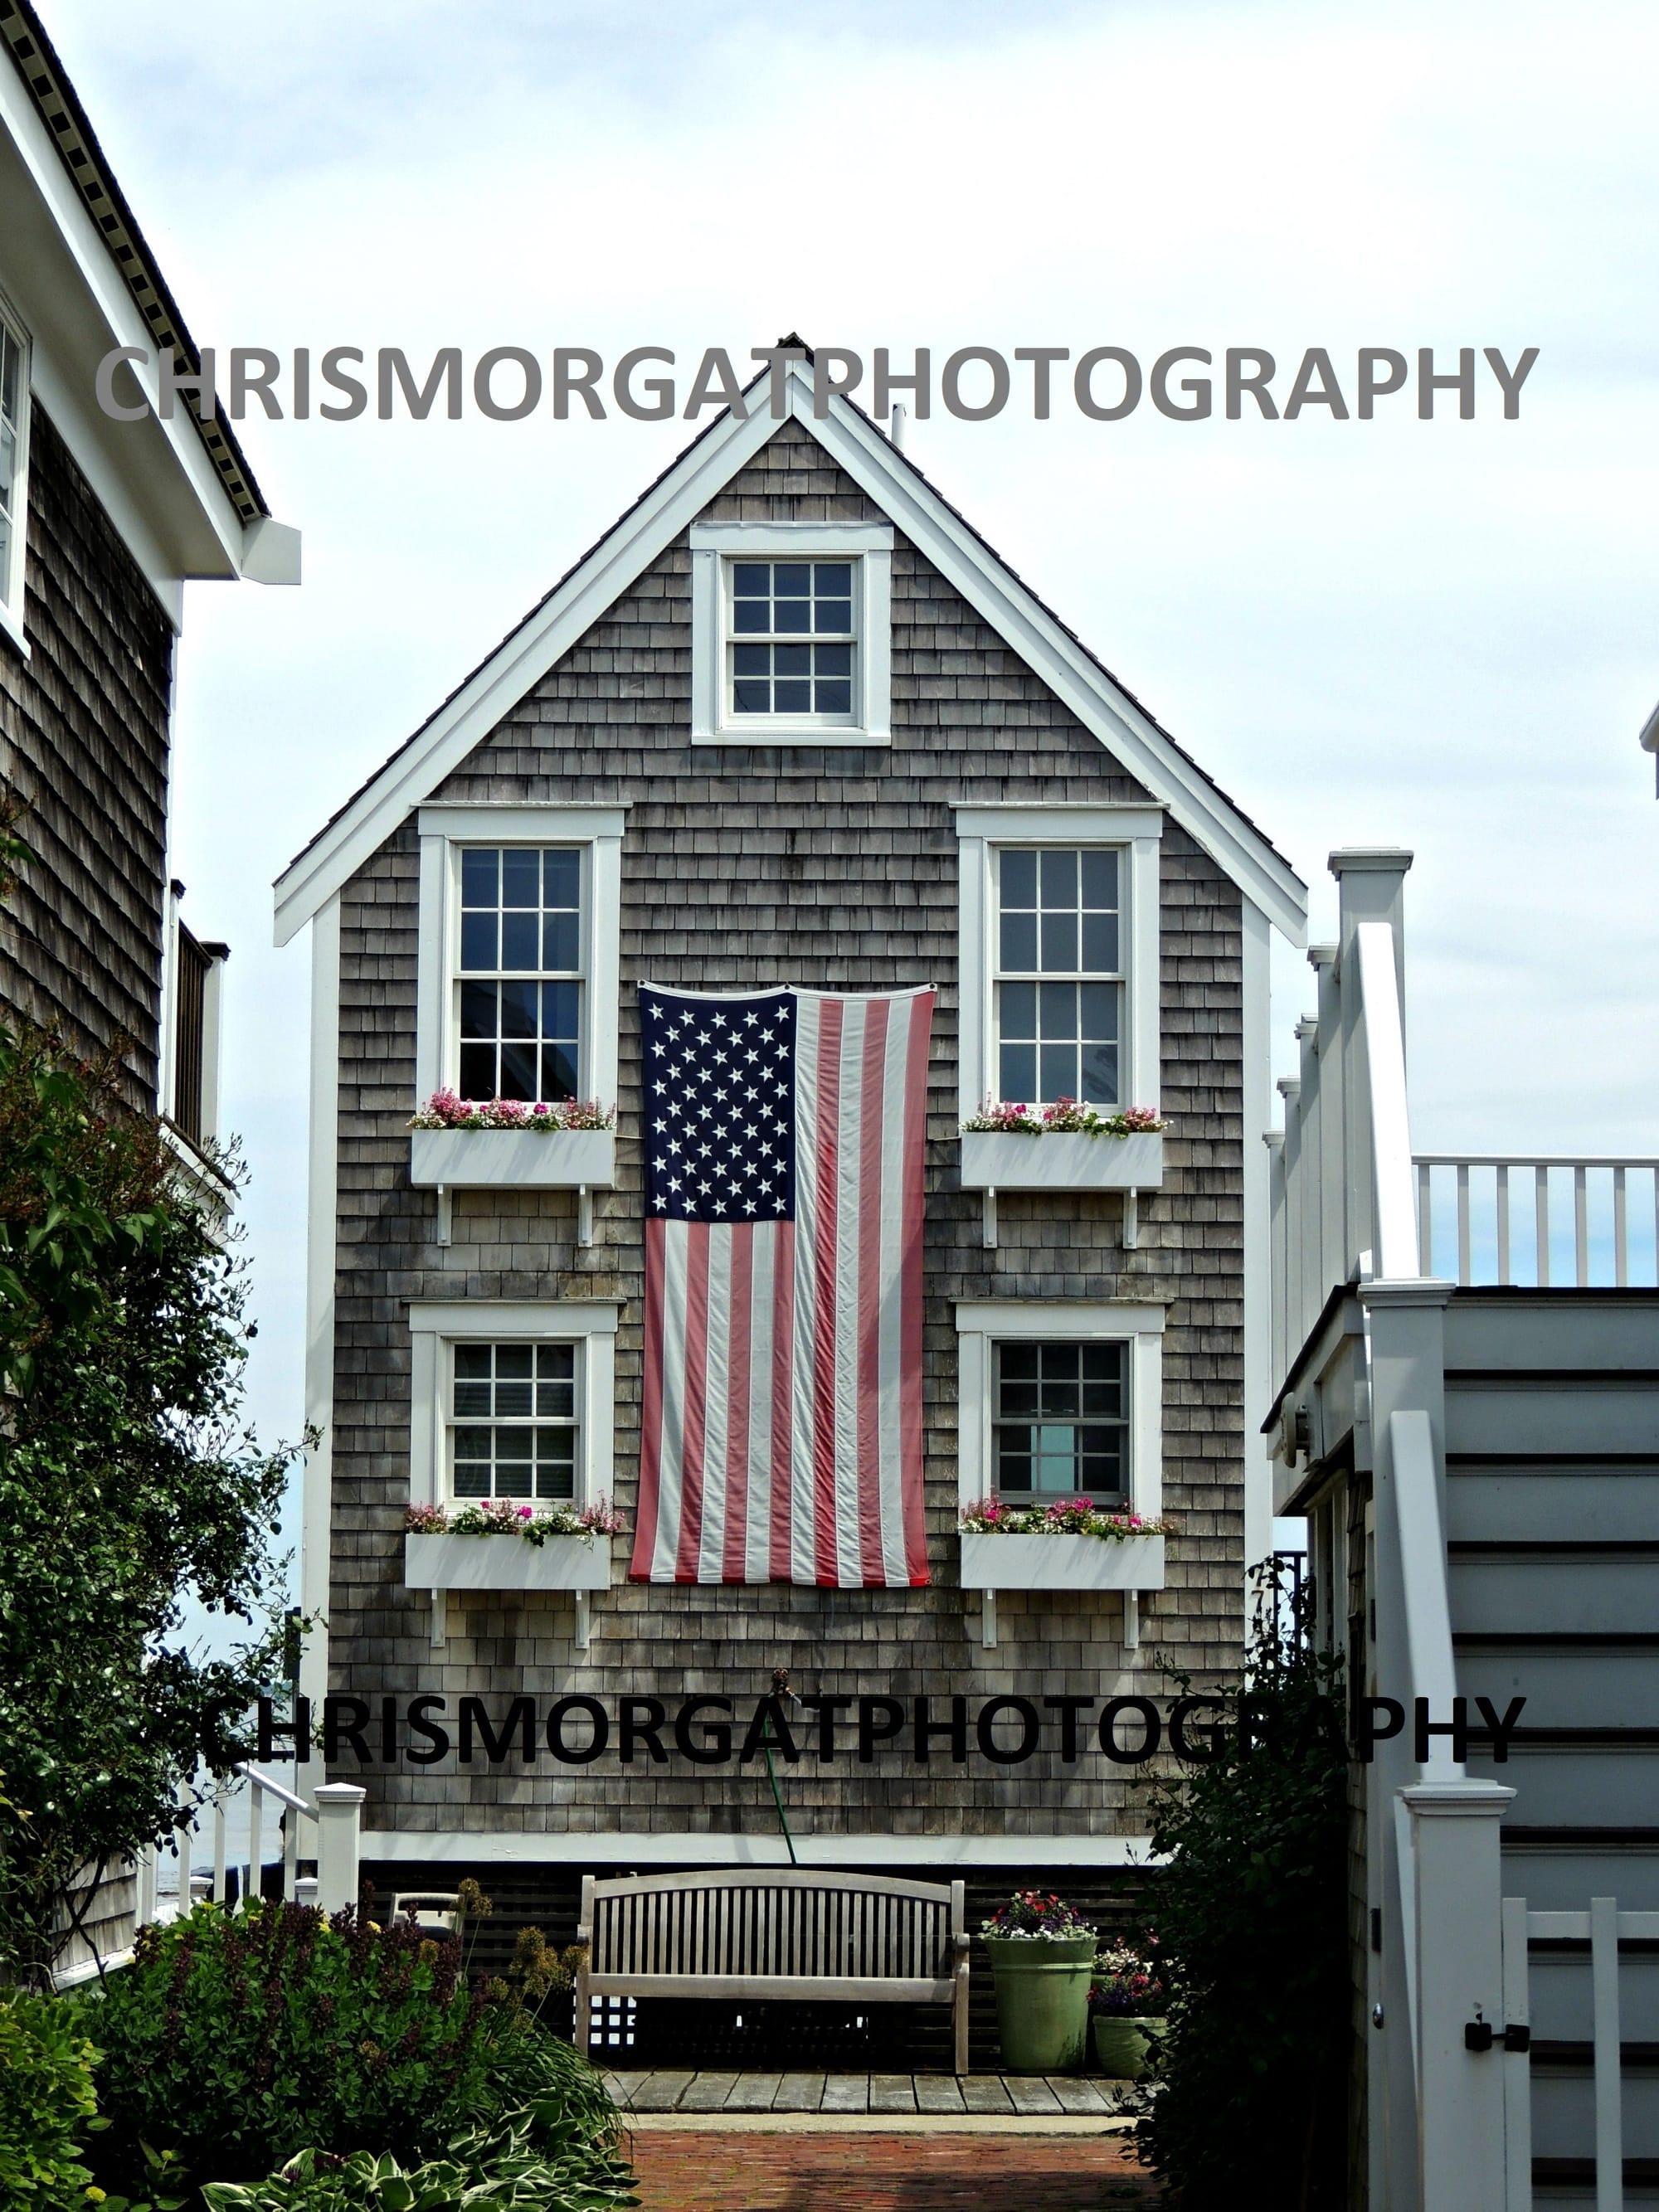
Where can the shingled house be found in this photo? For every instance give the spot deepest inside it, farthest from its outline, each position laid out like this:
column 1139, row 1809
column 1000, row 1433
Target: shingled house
column 102, row 522
column 790, row 727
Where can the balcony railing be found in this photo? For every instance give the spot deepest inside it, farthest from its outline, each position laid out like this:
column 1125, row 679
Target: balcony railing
column 1542, row 1220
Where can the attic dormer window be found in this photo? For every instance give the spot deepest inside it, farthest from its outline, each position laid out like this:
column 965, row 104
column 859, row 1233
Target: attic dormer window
column 790, row 626
column 793, row 637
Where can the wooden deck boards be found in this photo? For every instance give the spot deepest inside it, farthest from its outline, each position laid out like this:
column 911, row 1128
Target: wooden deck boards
column 683, row 2090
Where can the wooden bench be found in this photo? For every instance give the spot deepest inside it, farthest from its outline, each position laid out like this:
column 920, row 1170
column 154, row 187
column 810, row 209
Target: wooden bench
column 771, row 1933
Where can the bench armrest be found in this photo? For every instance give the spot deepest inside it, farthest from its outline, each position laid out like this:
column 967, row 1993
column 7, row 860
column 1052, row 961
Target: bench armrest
column 585, row 1937
column 958, row 1950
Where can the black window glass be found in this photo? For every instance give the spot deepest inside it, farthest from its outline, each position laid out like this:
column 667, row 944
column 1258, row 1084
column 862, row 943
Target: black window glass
column 1059, row 1421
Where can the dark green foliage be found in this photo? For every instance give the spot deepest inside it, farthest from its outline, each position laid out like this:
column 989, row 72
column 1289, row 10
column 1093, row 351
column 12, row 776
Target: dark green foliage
column 46, row 2104
column 1252, row 1925
column 241, row 2039
column 126, row 1487
column 538, row 2157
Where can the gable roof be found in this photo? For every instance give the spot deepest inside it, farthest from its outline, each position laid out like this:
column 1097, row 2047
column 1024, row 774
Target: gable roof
column 937, row 531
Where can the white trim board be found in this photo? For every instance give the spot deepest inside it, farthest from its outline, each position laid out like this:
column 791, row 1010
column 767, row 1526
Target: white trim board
column 155, row 479
column 618, row 1847
column 316, row 1513
column 910, row 503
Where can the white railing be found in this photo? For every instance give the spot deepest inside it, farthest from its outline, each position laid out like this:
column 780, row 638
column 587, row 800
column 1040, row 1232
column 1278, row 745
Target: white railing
column 1353, row 1210
column 1508, row 1208
column 336, row 1814
column 1343, row 1205
column 1604, row 1928
column 1345, row 1213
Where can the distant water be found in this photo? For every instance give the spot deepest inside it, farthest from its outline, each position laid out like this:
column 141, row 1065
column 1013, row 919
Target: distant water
column 237, row 1800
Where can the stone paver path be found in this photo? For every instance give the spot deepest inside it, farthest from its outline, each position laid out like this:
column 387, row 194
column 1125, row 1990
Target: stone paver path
column 685, row 2172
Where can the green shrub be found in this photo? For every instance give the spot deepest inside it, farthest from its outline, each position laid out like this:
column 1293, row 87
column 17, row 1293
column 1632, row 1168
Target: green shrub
column 47, row 2104
column 538, row 2157
column 240, row 2039
column 1251, row 1910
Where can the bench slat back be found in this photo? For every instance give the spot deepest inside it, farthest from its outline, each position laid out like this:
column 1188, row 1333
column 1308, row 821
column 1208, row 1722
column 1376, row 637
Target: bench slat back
column 772, row 1928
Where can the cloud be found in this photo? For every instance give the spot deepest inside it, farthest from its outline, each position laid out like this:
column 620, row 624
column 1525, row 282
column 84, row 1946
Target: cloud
column 1443, row 635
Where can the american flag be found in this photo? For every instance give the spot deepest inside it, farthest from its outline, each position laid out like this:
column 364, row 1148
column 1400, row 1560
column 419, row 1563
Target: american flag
column 782, row 1416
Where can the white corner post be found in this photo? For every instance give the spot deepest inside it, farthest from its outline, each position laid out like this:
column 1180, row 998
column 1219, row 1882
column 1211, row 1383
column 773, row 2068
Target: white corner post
column 1456, row 1880
column 339, row 1834
column 1371, row 888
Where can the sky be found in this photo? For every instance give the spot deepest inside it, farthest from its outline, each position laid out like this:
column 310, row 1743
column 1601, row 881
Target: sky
column 1443, row 636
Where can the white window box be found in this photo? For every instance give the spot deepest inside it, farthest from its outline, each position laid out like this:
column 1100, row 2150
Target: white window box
column 525, row 1159
column 506, row 1563
column 992, row 1160
column 1061, row 1563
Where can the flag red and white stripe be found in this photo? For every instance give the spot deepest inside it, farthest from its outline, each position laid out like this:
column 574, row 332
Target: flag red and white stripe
column 782, row 1408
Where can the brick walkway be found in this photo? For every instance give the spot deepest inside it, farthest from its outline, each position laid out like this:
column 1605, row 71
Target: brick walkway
column 705, row 2173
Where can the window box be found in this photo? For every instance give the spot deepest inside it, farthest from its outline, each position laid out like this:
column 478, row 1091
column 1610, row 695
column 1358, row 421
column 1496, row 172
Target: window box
column 1061, row 1563
column 506, row 1563
column 994, row 1160
column 526, row 1160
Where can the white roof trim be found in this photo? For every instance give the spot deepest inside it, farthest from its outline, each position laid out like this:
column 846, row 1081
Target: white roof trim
column 520, row 662
column 166, row 461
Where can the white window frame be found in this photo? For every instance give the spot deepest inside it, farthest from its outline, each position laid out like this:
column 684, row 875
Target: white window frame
column 869, row 547
column 444, row 830
column 1135, row 830
column 13, row 568
column 982, row 1322
column 589, row 1324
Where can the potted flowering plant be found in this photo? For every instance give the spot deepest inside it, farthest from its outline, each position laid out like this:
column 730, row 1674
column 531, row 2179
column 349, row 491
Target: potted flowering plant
column 1076, row 1147
column 1126, row 2006
column 1070, row 1544
column 548, row 1547
column 1042, row 1952
column 471, row 1143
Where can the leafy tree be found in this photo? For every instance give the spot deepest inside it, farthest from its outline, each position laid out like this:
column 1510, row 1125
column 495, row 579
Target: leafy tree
column 127, row 1485
column 1246, row 2100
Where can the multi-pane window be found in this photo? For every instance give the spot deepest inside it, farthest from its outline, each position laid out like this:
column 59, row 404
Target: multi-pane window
column 14, row 399
column 513, row 1421
column 520, row 989
column 1060, row 1420
column 1059, row 980
column 791, row 638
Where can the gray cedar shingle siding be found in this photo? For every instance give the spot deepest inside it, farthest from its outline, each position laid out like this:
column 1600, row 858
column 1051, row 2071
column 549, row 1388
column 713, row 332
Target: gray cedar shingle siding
column 83, row 737
column 748, row 867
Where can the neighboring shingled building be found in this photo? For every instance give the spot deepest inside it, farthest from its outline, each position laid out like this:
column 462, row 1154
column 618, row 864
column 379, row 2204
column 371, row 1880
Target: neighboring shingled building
column 102, row 522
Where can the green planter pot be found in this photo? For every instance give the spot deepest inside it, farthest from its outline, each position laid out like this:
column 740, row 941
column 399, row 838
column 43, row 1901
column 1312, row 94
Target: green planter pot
column 1121, row 2042
column 1042, row 2001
